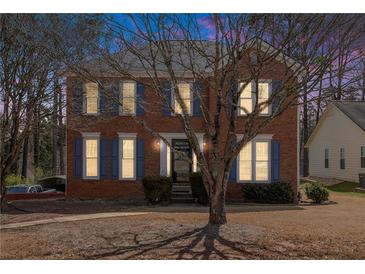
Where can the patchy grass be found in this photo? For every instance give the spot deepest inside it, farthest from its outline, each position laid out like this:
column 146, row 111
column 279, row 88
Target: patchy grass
column 346, row 188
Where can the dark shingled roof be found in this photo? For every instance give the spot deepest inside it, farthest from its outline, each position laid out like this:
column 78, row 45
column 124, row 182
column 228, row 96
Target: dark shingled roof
column 354, row 110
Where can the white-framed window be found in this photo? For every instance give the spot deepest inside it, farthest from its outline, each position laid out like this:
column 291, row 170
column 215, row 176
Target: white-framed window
column 342, row 158
column 128, row 92
column 262, row 161
column 263, row 97
column 184, row 90
column 254, row 162
column 91, row 155
column 247, row 97
column 362, row 156
column 91, row 98
column 245, row 163
column 127, row 158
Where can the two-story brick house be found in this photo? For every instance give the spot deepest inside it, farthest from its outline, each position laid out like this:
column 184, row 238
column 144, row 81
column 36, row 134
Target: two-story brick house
column 108, row 152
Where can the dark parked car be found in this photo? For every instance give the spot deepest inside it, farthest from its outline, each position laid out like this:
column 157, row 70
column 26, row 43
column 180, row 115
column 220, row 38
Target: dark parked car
column 57, row 182
column 17, row 189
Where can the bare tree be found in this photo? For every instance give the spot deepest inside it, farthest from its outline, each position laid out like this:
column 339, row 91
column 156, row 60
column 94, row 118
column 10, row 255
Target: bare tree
column 172, row 48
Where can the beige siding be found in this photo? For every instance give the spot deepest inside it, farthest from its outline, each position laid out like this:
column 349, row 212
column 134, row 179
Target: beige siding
column 337, row 131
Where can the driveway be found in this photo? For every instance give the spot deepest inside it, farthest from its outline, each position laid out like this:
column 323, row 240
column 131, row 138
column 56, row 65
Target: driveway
column 333, row 231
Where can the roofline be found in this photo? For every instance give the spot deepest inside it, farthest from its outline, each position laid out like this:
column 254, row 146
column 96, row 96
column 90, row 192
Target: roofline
column 320, row 122
column 323, row 118
column 282, row 58
column 355, row 122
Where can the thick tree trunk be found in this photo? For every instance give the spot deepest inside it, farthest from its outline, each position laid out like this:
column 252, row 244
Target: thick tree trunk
column 217, row 209
column 217, row 202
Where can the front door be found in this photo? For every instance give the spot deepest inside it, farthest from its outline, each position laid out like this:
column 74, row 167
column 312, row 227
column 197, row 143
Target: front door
column 181, row 168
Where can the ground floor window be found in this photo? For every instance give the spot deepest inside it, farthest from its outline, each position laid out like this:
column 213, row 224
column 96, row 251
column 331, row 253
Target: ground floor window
column 91, row 157
column 362, row 160
column 254, row 162
column 127, row 158
column 326, row 157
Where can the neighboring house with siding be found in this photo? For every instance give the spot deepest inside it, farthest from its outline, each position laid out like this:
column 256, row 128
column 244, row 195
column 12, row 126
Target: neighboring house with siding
column 108, row 153
column 337, row 144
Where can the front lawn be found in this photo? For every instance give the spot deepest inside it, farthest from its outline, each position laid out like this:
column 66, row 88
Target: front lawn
column 346, row 188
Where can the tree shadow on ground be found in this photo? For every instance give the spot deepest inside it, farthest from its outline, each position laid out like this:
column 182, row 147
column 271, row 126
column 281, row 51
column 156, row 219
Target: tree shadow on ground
column 200, row 243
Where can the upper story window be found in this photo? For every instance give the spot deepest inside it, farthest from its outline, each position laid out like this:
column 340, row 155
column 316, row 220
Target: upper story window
column 247, row 98
column 263, row 95
column 91, row 157
column 342, row 158
column 127, row 158
column 185, row 94
column 128, row 98
column 92, row 98
column 326, row 158
column 362, row 157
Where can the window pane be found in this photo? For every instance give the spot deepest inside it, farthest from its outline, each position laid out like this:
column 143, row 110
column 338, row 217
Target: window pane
column 246, row 92
column 363, row 151
column 184, row 91
column 264, row 96
column 262, row 171
column 262, row 151
column 91, row 97
column 245, row 164
column 128, row 105
column 245, row 98
column 91, row 167
column 92, row 148
column 342, row 153
column 128, row 89
column 92, row 105
column 128, row 149
column 326, row 153
column 127, row 168
column 247, row 105
column 245, row 170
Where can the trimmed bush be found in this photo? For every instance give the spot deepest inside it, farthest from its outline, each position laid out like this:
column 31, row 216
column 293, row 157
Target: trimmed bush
column 316, row 192
column 198, row 189
column 157, row 189
column 268, row 193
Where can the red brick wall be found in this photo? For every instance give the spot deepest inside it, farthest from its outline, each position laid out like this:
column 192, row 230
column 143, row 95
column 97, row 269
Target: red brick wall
column 32, row 196
column 283, row 128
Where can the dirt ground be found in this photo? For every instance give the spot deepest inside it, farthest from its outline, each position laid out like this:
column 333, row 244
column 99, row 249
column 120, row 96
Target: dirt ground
column 332, row 231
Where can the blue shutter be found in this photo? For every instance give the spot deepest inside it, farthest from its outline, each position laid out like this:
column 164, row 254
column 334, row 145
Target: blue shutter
column 197, row 93
column 167, row 94
column 103, row 100
column 276, row 87
column 233, row 171
column 140, row 97
column 140, row 159
column 115, row 159
column 115, row 100
column 275, row 161
column 77, row 157
column 78, row 98
column 103, row 158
